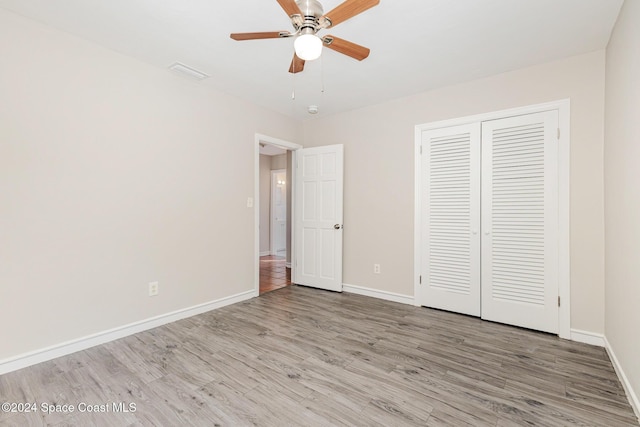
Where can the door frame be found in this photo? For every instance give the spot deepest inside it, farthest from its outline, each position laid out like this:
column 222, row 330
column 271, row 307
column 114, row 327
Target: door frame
column 563, row 107
column 287, row 145
column 272, row 210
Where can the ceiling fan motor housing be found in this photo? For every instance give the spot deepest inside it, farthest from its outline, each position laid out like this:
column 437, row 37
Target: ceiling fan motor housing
column 312, row 11
column 310, row 8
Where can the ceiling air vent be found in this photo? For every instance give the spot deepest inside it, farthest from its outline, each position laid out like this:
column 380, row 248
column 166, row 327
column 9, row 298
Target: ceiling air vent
column 187, row 72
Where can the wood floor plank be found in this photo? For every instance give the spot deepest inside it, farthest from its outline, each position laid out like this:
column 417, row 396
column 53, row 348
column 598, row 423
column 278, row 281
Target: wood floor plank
column 235, row 407
column 333, row 411
column 331, row 382
column 305, row 357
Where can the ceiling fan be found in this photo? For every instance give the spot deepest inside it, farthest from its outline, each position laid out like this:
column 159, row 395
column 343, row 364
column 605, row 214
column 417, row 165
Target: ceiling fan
column 307, row 18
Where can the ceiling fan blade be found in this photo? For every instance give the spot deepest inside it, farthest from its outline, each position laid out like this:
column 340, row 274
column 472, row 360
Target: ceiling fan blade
column 348, row 9
column 290, row 6
column 263, row 35
column 346, row 47
column 297, row 64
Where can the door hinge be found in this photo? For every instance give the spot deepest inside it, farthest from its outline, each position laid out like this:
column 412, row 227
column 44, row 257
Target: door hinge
column 421, row 279
column 558, row 133
column 421, row 149
column 558, row 300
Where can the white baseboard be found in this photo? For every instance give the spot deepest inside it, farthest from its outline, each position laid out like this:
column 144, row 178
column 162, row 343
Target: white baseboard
column 287, row 265
column 375, row 293
column 65, row 348
column 587, row 337
column 265, row 253
column 626, row 384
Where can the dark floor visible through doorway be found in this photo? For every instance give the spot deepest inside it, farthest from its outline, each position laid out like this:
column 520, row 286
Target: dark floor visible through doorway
column 273, row 273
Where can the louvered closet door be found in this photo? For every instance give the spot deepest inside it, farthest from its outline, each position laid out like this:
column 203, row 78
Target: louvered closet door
column 451, row 219
column 520, row 221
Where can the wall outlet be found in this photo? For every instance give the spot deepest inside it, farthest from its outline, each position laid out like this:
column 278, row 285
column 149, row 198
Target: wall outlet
column 376, row 268
column 249, row 202
column 153, row 289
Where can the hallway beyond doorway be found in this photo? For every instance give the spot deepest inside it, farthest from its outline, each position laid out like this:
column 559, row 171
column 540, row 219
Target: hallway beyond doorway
column 273, row 273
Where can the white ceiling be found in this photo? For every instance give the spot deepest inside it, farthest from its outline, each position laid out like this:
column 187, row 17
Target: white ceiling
column 271, row 150
column 415, row 45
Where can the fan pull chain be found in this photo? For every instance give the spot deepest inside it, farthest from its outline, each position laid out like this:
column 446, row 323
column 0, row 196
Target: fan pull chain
column 321, row 76
column 293, row 91
column 293, row 83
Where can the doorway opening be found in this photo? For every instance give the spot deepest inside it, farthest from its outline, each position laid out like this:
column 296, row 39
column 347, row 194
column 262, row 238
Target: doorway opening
column 274, row 218
column 314, row 213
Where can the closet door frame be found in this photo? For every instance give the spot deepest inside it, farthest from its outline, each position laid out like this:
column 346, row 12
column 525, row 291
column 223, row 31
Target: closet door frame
column 564, row 278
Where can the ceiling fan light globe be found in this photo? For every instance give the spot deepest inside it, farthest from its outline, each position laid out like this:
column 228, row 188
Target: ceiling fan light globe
column 308, row 47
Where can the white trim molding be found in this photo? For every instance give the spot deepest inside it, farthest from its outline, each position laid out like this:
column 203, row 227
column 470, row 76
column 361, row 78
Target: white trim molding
column 586, row 337
column 626, row 384
column 265, row 253
column 375, row 293
column 65, row 348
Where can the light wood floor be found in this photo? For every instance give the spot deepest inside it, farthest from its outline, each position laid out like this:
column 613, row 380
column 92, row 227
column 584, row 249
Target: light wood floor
column 273, row 273
column 304, row 357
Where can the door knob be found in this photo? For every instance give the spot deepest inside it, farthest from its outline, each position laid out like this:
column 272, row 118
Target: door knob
column 337, row 226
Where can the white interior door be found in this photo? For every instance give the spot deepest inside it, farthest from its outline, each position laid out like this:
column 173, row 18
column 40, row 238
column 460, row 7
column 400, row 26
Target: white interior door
column 451, row 219
column 520, row 221
column 318, row 217
column 279, row 213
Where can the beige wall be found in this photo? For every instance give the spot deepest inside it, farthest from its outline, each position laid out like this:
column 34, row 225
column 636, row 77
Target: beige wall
column 265, row 203
column 379, row 174
column 279, row 162
column 622, row 194
column 114, row 174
